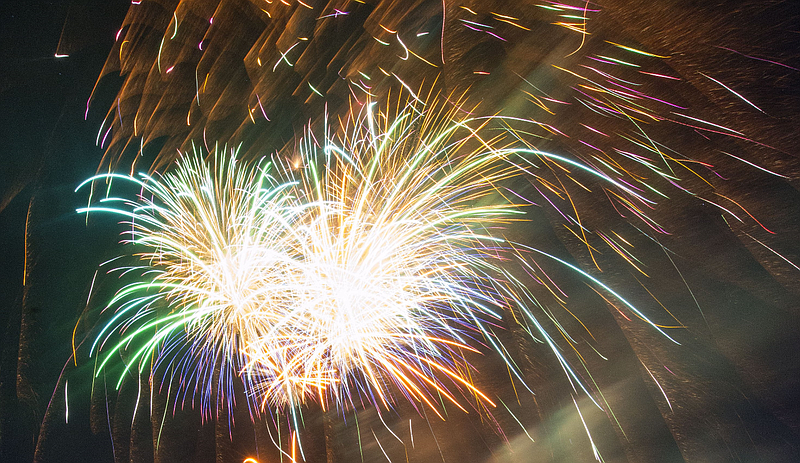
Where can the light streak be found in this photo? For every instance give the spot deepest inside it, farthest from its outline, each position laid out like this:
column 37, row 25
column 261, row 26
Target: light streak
column 637, row 51
column 283, row 57
column 664, row 393
column 773, row 251
column 732, row 91
column 595, row 450
column 755, row 165
column 66, row 402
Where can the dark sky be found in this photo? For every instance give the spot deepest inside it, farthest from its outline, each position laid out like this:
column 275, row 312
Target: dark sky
column 47, row 147
column 41, row 96
column 42, row 103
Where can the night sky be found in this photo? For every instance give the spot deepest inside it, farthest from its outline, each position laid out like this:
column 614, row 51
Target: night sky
column 48, row 148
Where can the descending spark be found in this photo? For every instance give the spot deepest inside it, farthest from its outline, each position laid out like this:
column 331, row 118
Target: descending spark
column 759, row 59
column 595, row 450
column 732, row 91
column 66, row 402
column 773, row 251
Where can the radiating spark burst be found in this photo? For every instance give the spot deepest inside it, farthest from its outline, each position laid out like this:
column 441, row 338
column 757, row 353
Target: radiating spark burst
column 393, row 269
column 202, row 229
column 370, row 267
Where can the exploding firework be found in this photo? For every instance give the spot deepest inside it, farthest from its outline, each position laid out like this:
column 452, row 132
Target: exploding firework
column 371, row 266
column 282, row 309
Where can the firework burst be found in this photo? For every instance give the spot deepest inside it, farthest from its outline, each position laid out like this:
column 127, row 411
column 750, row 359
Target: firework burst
column 201, row 231
column 369, row 267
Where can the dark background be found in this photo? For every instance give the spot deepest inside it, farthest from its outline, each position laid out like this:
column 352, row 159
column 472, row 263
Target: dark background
column 47, row 147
